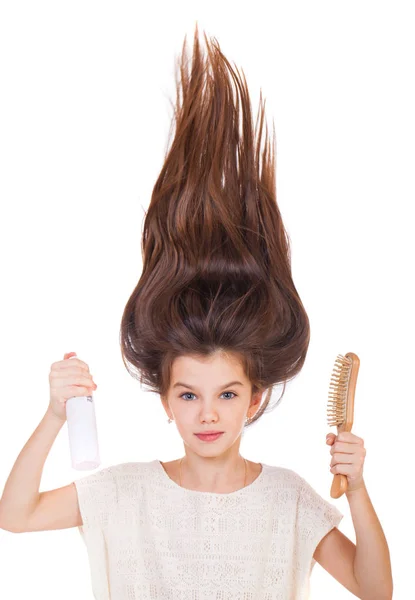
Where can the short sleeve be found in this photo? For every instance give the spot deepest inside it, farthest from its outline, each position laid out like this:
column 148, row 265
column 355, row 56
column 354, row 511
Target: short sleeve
column 317, row 516
column 97, row 497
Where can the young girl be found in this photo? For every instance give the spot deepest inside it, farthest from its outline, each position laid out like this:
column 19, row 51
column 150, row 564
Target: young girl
column 213, row 324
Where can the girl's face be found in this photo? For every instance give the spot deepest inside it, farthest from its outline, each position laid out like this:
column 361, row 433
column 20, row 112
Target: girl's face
column 209, row 394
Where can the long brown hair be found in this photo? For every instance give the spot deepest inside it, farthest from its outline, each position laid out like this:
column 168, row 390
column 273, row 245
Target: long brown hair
column 216, row 256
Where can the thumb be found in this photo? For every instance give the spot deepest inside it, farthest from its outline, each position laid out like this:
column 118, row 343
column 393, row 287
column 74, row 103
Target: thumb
column 330, row 439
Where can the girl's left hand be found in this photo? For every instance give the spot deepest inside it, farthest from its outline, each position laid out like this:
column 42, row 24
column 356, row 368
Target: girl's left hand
column 348, row 457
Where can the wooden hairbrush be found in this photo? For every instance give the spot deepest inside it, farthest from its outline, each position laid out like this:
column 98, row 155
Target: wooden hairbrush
column 340, row 409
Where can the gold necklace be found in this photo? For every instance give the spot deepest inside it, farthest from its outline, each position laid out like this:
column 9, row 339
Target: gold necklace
column 180, row 471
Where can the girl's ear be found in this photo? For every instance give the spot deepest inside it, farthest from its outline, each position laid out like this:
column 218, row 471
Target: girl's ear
column 256, row 398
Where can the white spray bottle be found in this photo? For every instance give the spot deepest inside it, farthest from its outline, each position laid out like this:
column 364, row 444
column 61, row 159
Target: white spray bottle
column 82, row 432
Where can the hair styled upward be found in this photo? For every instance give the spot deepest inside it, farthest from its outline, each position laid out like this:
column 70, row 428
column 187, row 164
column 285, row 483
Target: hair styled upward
column 216, row 256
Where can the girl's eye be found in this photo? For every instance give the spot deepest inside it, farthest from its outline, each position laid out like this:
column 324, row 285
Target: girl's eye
column 190, row 394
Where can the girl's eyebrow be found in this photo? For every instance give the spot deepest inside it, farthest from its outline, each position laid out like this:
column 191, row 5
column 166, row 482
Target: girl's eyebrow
column 179, row 383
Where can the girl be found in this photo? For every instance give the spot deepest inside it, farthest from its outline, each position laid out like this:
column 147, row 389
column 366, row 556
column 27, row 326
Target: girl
column 213, row 324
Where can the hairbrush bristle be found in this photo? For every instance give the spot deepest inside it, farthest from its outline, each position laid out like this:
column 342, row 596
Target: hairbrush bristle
column 336, row 411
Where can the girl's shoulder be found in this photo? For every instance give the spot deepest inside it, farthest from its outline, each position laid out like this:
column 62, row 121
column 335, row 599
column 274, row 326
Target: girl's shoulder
column 284, row 476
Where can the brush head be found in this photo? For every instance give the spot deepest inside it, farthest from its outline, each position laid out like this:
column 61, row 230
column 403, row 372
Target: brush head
column 341, row 391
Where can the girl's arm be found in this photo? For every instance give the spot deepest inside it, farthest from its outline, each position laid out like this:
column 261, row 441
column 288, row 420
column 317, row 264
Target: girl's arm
column 372, row 565
column 21, row 492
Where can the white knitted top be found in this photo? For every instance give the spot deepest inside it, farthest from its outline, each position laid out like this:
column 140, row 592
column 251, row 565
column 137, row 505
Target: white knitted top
column 148, row 538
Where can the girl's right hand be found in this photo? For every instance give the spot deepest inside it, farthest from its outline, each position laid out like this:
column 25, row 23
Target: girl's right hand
column 68, row 378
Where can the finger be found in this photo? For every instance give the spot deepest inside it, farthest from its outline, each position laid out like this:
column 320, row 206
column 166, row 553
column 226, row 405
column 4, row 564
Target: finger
column 69, row 364
column 344, row 469
column 345, row 447
column 348, row 436
column 79, row 381
column 343, row 459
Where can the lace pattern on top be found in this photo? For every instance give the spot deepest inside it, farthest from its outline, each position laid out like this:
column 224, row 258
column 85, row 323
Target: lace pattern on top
column 147, row 538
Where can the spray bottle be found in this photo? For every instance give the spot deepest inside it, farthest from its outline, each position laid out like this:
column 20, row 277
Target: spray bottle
column 82, row 432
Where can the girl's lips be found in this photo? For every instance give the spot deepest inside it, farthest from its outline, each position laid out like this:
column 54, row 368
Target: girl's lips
column 208, row 437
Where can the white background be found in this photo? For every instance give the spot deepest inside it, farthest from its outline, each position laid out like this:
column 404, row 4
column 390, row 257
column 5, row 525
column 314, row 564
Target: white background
column 84, row 120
